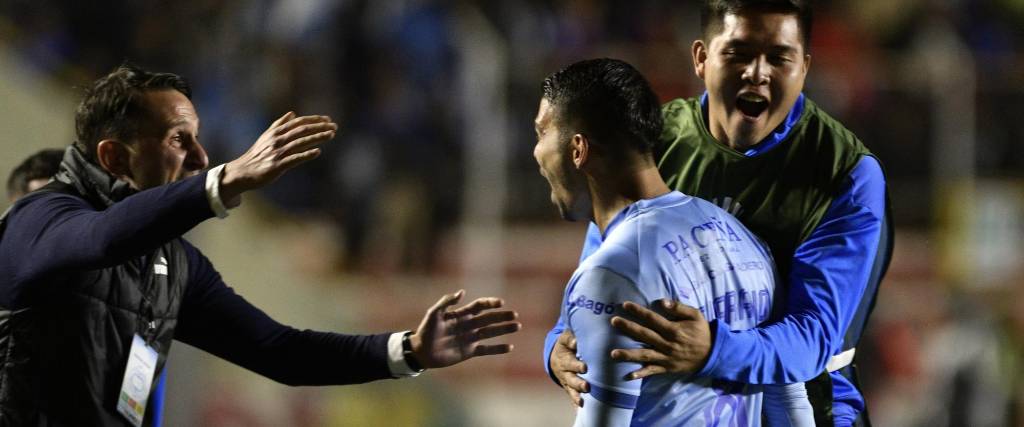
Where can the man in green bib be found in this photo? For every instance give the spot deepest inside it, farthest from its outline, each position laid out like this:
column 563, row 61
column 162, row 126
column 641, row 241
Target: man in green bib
column 755, row 145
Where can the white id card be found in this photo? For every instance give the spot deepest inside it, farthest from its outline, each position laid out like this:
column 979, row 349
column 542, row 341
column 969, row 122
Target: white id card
column 138, row 378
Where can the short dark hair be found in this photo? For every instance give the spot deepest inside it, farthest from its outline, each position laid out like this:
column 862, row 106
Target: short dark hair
column 110, row 107
column 607, row 98
column 41, row 165
column 713, row 12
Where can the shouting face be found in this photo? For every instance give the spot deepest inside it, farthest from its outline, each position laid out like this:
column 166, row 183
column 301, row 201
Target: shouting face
column 754, row 68
column 569, row 191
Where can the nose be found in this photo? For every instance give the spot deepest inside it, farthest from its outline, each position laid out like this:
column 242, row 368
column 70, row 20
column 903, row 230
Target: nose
column 195, row 158
column 756, row 72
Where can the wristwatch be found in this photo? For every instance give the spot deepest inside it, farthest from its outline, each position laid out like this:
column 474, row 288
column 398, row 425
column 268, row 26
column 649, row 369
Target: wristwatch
column 407, row 354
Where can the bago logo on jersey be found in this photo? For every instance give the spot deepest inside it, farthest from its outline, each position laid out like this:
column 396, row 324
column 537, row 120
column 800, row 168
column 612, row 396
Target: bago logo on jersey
column 596, row 307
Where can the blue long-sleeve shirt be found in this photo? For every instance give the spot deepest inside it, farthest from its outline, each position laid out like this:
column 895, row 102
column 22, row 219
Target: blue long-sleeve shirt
column 825, row 286
column 51, row 232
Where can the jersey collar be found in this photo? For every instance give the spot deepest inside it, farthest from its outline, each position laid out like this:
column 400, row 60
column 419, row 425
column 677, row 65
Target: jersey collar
column 667, row 199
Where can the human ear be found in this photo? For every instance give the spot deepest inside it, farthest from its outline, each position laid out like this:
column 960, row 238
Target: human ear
column 579, row 149
column 114, row 157
column 700, row 55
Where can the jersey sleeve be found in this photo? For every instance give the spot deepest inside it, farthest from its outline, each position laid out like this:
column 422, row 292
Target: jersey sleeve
column 590, row 244
column 788, row 406
column 594, row 298
column 829, row 273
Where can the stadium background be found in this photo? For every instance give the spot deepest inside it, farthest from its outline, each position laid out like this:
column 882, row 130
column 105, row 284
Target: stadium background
column 431, row 186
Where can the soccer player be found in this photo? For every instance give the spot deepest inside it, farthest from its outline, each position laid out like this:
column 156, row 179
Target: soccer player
column 596, row 126
column 800, row 181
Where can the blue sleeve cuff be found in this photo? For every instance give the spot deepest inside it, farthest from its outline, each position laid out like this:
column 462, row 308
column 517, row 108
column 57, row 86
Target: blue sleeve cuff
column 716, row 349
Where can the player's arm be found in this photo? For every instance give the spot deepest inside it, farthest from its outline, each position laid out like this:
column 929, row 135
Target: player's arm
column 52, row 231
column 788, row 406
column 827, row 281
column 598, row 295
column 560, row 360
column 217, row 320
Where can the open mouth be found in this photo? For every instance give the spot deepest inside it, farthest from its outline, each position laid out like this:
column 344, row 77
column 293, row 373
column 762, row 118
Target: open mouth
column 751, row 105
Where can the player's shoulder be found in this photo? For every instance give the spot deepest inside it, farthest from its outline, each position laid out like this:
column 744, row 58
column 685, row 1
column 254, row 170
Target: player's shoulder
column 618, row 254
column 830, row 128
column 680, row 112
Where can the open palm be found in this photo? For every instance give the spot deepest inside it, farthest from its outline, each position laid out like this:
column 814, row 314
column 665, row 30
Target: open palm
column 446, row 337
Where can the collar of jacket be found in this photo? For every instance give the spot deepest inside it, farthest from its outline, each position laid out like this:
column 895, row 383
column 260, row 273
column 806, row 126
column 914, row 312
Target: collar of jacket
column 92, row 182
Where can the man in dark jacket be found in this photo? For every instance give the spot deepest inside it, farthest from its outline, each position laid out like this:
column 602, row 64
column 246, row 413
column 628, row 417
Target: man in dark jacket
column 97, row 281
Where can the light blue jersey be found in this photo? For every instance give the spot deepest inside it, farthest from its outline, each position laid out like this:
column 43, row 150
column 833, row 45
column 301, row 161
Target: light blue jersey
column 672, row 247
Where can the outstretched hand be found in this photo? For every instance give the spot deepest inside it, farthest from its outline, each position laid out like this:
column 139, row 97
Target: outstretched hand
column 679, row 343
column 288, row 142
column 446, row 337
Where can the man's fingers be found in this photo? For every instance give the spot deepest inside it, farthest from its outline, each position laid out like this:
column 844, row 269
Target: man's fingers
column 488, row 318
column 575, row 383
column 575, row 366
column 639, row 332
column 308, row 142
column 649, row 318
column 490, row 350
column 307, row 130
column 446, row 301
column 645, row 371
column 567, row 340
column 296, row 122
column 475, row 307
column 677, row 311
column 574, row 395
column 496, row 330
column 567, row 362
column 640, row 355
column 287, row 116
column 298, row 158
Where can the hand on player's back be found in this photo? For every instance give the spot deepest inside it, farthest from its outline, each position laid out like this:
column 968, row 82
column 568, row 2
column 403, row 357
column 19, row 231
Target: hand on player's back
column 567, row 368
column 679, row 343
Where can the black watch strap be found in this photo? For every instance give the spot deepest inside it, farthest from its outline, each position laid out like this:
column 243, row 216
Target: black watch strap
column 407, row 354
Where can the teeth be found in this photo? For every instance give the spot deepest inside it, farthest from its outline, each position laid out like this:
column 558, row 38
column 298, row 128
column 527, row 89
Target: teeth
column 751, row 97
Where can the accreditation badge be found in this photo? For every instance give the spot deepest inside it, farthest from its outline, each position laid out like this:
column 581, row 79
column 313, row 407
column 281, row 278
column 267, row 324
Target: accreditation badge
column 138, row 378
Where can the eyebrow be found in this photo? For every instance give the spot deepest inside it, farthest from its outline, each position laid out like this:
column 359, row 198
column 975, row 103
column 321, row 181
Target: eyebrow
column 179, row 122
column 778, row 48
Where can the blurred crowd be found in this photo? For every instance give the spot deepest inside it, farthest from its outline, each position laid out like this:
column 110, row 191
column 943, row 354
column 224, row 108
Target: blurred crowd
column 943, row 349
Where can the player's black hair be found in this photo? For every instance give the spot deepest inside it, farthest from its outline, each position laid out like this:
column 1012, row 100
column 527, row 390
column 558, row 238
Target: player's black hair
column 713, row 12
column 608, row 100
column 41, row 165
column 110, row 108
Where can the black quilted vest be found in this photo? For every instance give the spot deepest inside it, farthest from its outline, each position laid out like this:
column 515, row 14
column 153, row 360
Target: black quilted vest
column 63, row 354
